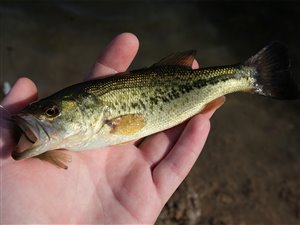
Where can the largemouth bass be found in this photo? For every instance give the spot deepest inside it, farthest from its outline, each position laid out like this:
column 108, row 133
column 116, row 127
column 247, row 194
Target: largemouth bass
column 135, row 104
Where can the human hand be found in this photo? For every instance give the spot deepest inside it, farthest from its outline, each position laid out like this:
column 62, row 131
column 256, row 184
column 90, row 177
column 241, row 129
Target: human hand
column 128, row 183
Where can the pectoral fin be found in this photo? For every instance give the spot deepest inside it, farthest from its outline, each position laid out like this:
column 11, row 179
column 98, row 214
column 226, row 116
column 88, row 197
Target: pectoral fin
column 127, row 124
column 56, row 157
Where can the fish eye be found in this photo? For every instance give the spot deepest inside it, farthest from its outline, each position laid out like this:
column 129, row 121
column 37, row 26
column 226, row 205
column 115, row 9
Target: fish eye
column 52, row 111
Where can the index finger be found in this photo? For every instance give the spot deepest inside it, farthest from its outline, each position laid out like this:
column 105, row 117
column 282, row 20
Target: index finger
column 116, row 57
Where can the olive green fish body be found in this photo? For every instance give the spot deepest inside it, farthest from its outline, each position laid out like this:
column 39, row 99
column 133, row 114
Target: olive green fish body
column 135, row 104
column 164, row 99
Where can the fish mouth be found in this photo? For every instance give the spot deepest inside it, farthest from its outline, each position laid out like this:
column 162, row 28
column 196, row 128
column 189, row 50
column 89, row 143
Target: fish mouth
column 29, row 129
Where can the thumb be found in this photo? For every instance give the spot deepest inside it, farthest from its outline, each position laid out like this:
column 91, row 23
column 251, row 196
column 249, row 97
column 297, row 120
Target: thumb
column 22, row 93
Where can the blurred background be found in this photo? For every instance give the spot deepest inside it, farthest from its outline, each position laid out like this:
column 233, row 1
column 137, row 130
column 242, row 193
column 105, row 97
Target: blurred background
column 248, row 172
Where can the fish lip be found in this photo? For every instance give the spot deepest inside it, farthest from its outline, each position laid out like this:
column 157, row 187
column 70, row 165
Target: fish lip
column 17, row 155
column 22, row 155
column 30, row 128
column 26, row 127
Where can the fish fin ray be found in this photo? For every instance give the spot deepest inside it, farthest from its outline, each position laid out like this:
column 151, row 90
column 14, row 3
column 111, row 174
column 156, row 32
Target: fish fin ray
column 56, row 157
column 273, row 75
column 126, row 124
column 216, row 103
column 184, row 59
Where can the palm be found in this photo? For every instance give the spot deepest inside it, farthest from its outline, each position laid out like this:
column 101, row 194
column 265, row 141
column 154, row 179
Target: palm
column 121, row 184
column 94, row 183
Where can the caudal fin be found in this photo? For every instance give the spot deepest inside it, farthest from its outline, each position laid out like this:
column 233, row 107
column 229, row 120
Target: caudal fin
column 273, row 76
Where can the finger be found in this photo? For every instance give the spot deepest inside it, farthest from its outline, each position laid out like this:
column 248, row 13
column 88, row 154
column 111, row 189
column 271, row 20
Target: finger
column 210, row 109
column 172, row 170
column 22, row 93
column 155, row 147
column 116, row 57
column 195, row 64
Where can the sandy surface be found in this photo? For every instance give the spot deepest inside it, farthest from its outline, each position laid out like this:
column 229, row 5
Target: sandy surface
column 248, row 172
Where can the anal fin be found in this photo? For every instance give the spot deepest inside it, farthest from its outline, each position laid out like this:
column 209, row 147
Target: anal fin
column 216, row 103
column 56, row 157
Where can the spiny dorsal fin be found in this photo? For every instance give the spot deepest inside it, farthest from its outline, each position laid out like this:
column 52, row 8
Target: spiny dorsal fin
column 178, row 59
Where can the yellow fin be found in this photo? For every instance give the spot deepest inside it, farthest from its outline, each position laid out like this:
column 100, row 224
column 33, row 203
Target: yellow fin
column 216, row 103
column 56, row 157
column 127, row 124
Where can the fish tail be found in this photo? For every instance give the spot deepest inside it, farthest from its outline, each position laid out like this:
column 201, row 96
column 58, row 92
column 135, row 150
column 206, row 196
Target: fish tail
column 272, row 73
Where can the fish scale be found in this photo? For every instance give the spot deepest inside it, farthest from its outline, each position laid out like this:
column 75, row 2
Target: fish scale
column 192, row 94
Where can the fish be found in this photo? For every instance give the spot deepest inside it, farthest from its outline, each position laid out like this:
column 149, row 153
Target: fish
column 135, row 104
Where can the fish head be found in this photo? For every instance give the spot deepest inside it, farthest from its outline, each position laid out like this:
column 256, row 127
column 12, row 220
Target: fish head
column 45, row 125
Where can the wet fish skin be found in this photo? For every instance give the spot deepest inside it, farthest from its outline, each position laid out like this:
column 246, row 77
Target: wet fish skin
column 135, row 104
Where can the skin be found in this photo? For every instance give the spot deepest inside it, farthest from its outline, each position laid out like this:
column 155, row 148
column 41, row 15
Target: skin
column 126, row 184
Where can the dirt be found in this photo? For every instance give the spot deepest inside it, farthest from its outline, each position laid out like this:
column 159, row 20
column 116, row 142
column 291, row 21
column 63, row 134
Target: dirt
column 248, row 172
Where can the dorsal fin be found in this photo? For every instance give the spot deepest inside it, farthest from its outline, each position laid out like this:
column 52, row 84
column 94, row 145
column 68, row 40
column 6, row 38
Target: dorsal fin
column 178, row 59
